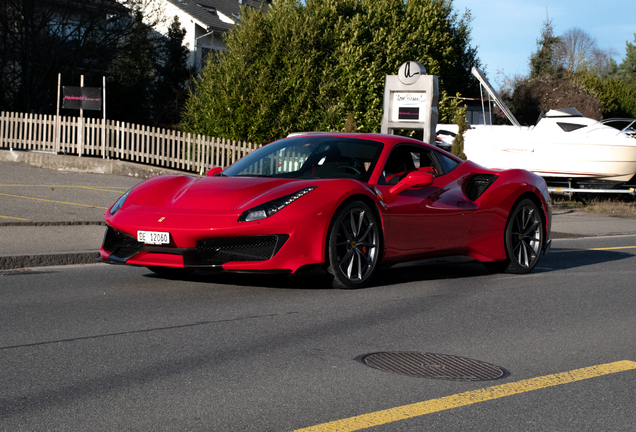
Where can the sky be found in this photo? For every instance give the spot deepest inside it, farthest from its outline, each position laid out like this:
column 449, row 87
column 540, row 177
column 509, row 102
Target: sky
column 505, row 32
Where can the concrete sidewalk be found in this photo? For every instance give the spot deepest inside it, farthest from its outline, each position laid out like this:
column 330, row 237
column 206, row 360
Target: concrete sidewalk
column 63, row 234
column 45, row 245
column 574, row 224
column 51, row 206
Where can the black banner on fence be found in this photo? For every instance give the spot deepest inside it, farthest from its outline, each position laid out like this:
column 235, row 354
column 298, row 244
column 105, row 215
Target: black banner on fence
column 88, row 98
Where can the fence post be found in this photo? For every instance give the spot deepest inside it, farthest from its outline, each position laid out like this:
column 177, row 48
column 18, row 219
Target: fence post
column 126, row 141
column 152, row 145
column 118, row 140
column 39, row 126
column 13, row 131
column 2, row 127
column 187, row 153
column 58, row 133
column 109, row 140
column 19, row 130
column 11, row 120
column 28, row 145
column 173, row 142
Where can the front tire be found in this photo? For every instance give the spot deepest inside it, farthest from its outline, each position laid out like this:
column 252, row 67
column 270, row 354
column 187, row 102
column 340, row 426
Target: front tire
column 353, row 245
column 523, row 240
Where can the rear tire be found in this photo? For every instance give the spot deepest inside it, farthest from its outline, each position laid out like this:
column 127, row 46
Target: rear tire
column 353, row 246
column 523, row 240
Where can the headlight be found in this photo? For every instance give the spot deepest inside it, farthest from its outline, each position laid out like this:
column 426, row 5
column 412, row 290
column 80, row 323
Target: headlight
column 272, row 207
column 119, row 203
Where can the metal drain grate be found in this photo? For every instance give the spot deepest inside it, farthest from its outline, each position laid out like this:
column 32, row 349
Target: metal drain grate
column 434, row 366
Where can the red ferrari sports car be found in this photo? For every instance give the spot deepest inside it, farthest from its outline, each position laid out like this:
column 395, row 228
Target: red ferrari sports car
column 346, row 202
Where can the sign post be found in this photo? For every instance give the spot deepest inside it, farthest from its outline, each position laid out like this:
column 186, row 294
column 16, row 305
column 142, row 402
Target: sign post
column 104, row 118
column 57, row 115
column 80, row 130
column 410, row 101
column 84, row 98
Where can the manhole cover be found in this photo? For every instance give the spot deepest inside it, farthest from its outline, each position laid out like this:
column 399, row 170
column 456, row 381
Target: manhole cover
column 435, row 366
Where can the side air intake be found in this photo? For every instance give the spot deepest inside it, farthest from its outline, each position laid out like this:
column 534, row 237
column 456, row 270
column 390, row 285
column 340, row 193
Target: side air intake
column 478, row 185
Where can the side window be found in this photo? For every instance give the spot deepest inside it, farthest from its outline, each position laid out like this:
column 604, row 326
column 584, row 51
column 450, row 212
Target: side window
column 448, row 164
column 405, row 159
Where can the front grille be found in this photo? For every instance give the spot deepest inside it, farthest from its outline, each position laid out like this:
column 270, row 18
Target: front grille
column 120, row 244
column 208, row 253
column 218, row 251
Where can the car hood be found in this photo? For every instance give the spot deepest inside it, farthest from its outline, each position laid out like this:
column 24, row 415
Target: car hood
column 211, row 193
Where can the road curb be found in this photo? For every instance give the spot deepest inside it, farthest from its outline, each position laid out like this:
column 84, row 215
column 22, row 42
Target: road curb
column 46, row 260
column 57, row 223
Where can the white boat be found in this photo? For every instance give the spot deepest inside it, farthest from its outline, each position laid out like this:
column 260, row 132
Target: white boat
column 563, row 147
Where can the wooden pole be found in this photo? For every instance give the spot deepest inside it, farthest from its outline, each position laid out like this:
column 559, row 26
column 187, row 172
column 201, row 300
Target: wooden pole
column 57, row 115
column 104, row 117
column 80, row 130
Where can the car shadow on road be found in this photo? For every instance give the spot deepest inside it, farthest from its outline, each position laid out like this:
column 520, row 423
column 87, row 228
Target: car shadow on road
column 320, row 280
column 418, row 271
column 565, row 259
column 315, row 279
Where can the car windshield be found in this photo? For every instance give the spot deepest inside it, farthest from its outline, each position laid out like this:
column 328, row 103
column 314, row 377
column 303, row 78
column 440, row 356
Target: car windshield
column 311, row 157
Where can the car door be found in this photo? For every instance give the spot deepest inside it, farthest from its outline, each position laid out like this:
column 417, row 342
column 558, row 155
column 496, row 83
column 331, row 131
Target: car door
column 423, row 221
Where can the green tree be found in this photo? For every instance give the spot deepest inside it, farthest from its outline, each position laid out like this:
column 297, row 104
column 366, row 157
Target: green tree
column 627, row 68
column 303, row 67
column 350, row 124
column 173, row 77
column 616, row 97
column 457, row 148
column 132, row 75
column 542, row 61
column 385, row 34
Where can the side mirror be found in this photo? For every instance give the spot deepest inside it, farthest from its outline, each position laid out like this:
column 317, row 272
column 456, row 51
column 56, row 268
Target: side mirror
column 413, row 180
column 213, row 171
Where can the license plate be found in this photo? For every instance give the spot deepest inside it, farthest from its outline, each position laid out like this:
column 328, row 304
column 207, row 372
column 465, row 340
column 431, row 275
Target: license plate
column 153, row 237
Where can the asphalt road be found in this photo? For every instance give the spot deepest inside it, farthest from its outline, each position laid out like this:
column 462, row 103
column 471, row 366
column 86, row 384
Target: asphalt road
column 100, row 347
column 31, row 195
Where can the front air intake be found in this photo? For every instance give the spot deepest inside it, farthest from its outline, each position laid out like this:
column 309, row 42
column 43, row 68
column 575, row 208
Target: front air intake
column 217, row 251
column 120, row 245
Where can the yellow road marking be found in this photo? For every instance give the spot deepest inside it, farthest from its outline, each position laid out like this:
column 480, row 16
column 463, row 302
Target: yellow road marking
column 616, row 247
column 114, row 189
column 592, row 249
column 468, row 398
column 10, row 217
column 57, row 202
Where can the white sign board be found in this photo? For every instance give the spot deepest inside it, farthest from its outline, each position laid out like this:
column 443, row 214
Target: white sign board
column 410, row 101
column 408, row 107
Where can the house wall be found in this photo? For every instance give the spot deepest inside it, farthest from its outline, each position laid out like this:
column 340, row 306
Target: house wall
column 197, row 38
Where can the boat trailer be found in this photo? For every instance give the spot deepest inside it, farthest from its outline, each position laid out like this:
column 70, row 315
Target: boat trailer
column 631, row 191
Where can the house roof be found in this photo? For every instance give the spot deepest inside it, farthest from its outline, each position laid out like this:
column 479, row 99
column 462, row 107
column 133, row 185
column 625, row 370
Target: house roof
column 206, row 12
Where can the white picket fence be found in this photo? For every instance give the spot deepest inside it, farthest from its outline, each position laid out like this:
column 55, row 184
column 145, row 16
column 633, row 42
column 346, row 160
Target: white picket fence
column 118, row 140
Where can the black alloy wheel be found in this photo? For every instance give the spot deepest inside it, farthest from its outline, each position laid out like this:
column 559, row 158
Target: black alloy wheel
column 523, row 239
column 353, row 245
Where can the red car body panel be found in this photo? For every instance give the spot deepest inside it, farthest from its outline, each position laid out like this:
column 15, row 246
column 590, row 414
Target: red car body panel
column 429, row 221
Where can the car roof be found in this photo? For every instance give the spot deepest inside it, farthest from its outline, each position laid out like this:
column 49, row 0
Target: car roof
column 385, row 138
